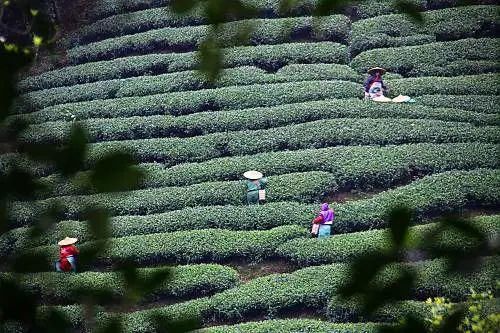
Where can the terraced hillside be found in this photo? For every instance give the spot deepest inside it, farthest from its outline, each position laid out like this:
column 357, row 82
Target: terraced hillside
column 289, row 105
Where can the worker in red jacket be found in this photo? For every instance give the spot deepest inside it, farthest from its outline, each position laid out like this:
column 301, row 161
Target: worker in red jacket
column 67, row 255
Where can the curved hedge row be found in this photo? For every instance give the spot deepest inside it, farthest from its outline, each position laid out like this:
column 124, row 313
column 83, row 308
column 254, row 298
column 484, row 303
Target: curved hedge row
column 430, row 59
column 365, row 9
column 9, row 160
column 471, row 67
column 342, row 313
column 380, row 40
column 476, row 103
column 344, row 162
column 457, row 17
column 346, row 247
column 353, row 167
column 205, row 245
column 485, row 84
column 265, row 31
column 440, row 25
column 105, row 8
column 262, row 217
column 438, row 4
column 202, row 123
column 187, row 102
column 361, row 9
column 349, row 311
column 347, row 131
column 180, row 81
column 293, row 325
column 306, row 288
column 186, row 281
column 447, row 23
column 235, row 97
column 436, row 194
column 307, row 186
column 432, row 195
column 154, row 18
column 113, row 7
column 133, row 22
column 268, row 57
column 310, row 288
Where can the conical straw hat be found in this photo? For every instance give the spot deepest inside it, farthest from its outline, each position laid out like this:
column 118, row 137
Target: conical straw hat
column 253, row 175
column 373, row 69
column 67, row 241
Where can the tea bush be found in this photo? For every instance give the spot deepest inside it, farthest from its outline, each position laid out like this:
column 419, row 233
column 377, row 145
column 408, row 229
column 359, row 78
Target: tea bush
column 310, row 288
column 429, row 196
column 293, row 325
column 269, row 57
column 180, row 81
column 204, row 245
column 308, row 187
column 456, row 189
column 353, row 167
column 439, row 25
column 160, row 17
column 434, row 59
column 187, row 102
column 111, row 7
column 185, row 39
column 350, row 311
column 346, row 247
column 378, row 40
column 433, row 85
column 186, row 281
column 203, row 123
column 348, row 131
column 346, row 311
column 476, row 103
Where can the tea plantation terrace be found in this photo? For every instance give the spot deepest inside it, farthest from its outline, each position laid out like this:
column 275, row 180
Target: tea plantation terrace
column 289, row 105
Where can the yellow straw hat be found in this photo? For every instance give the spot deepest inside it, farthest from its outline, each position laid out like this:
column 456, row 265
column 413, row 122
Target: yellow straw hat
column 253, row 175
column 373, row 69
column 67, row 241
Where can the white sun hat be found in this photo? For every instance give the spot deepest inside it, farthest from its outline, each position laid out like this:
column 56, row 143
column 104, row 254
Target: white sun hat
column 67, row 241
column 253, row 175
column 401, row 99
column 382, row 99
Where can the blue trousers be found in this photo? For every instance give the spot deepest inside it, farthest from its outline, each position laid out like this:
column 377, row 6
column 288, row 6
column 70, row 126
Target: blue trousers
column 324, row 230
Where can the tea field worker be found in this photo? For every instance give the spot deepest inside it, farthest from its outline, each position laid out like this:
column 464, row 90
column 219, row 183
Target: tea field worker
column 375, row 88
column 67, row 255
column 374, row 85
column 256, row 183
column 322, row 224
